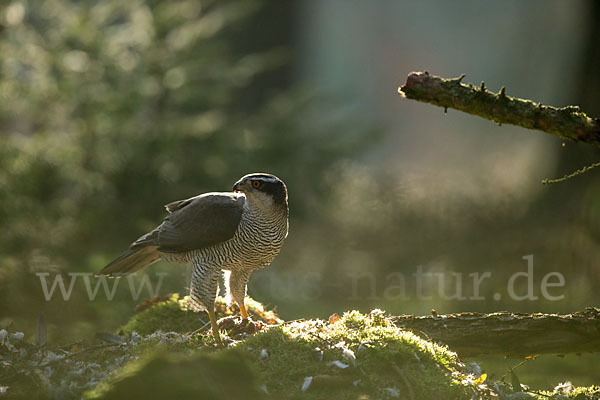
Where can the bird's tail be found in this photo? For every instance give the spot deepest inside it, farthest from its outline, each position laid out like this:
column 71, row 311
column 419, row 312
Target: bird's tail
column 133, row 259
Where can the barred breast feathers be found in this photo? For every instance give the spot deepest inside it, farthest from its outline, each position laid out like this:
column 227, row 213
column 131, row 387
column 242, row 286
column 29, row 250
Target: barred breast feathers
column 255, row 244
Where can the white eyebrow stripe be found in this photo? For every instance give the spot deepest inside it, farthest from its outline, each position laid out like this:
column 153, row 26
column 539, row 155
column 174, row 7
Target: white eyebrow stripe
column 267, row 179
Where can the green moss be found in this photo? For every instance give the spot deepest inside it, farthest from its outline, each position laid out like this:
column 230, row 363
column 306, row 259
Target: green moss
column 569, row 392
column 161, row 375
column 382, row 361
column 167, row 316
column 387, row 360
column 357, row 356
column 173, row 315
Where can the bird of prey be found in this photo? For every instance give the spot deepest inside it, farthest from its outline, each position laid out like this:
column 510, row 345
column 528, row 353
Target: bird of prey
column 237, row 232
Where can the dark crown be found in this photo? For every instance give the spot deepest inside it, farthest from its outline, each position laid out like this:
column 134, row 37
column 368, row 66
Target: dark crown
column 271, row 185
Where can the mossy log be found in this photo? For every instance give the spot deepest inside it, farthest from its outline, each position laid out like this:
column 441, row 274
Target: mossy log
column 567, row 122
column 510, row 334
column 366, row 356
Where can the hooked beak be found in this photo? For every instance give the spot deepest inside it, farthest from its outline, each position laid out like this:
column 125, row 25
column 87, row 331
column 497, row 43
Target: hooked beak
column 237, row 187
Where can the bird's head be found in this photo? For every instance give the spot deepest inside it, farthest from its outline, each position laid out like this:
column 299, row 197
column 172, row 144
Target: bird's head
column 261, row 188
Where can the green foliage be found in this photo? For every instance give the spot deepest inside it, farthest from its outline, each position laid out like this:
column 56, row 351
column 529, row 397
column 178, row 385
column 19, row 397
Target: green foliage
column 103, row 103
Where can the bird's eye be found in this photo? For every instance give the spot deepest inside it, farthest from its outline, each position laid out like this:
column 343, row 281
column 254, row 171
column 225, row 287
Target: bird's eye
column 256, row 184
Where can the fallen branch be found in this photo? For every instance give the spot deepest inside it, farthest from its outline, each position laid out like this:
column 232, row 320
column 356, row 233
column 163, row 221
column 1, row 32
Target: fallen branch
column 567, row 122
column 510, row 334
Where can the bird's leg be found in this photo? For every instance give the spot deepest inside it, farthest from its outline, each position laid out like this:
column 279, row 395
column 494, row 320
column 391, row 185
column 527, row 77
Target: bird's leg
column 243, row 309
column 236, row 285
column 203, row 291
column 214, row 326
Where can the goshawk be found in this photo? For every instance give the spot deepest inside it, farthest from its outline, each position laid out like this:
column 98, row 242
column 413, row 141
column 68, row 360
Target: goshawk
column 237, row 232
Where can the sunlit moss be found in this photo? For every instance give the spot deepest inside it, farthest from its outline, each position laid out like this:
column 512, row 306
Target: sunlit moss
column 566, row 391
column 355, row 356
column 173, row 315
column 381, row 361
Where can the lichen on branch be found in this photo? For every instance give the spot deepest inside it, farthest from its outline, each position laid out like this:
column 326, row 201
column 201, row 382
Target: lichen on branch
column 567, row 122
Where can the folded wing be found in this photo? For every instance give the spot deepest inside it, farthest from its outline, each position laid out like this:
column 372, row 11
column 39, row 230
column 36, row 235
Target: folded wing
column 192, row 224
column 199, row 222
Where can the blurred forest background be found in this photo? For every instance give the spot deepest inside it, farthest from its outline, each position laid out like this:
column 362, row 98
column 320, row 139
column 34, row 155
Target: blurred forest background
column 111, row 109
